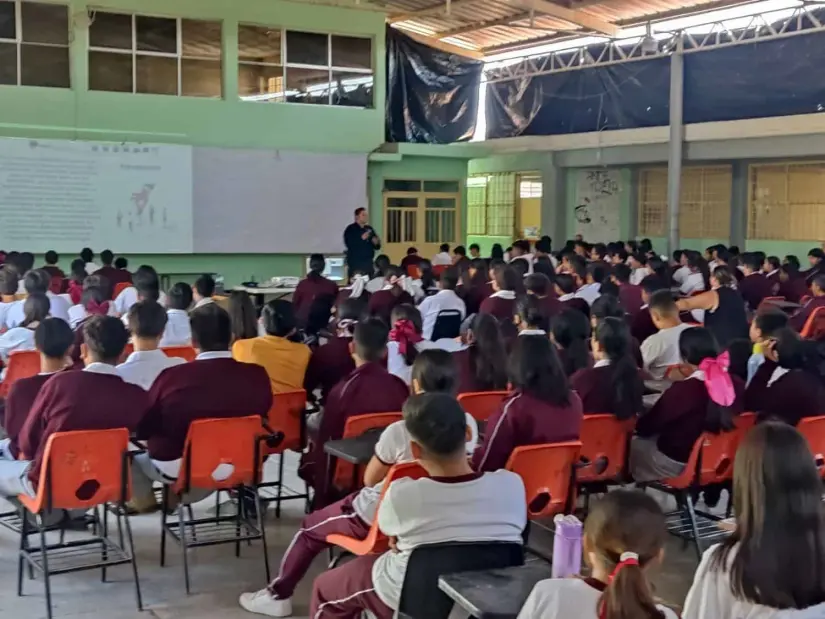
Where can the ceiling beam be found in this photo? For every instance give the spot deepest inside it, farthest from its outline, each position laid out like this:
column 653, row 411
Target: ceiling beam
column 492, row 23
column 443, row 46
column 579, row 18
column 436, row 9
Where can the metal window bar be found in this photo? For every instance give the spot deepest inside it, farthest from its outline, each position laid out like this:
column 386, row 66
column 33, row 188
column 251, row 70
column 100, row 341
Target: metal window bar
column 19, row 42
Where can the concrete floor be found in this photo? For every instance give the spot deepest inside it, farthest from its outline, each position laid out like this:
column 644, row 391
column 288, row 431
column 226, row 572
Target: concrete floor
column 217, row 576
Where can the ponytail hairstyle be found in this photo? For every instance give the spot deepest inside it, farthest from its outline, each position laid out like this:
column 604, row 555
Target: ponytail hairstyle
column 350, row 313
column 531, row 314
column 487, row 354
column 428, row 281
column 696, row 345
column 570, row 331
column 406, row 330
column 625, row 533
column 36, row 309
column 94, row 301
column 613, row 336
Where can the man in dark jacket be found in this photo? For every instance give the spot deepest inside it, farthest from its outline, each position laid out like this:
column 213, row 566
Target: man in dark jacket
column 361, row 242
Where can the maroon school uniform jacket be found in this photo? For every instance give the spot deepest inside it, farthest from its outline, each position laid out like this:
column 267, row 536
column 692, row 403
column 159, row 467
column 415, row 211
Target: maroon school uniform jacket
column 383, row 302
column 525, row 420
column 83, row 400
column 410, row 260
column 678, row 417
column 310, row 288
column 773, row 278
column 500, row 308
column 794, row 289
column 551, row 305
column 328, row 365
column 630, row 297
column 204, row 389
column 595, row 388
column 54, row 271
column 345, row 293
column 642, row 326
column 579, row 304
column 467, row 380
column 754, row 288
column 799, row 319
column 475, row 295
column 19, row 403
column 792, row 397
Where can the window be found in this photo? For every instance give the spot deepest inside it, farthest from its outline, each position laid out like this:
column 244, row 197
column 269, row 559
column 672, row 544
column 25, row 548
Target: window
column 34, row 44
column 491, row 204
column 704, row 202
column 786, row 203
column 304, row 67
column 155, row 55
column 529, row 189
column 422, row 212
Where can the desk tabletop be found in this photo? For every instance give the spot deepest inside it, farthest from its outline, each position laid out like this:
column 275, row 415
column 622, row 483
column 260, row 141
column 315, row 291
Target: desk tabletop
column 657, row 385
column 257, row 290
column 494, row 594
column 357, row 450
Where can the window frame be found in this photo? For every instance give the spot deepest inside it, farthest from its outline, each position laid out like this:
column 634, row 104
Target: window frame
column 19, row 42
column 285, row 65
column 134, row 52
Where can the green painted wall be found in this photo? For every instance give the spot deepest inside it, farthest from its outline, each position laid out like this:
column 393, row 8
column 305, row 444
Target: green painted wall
column 799, row 249
column 626, row 201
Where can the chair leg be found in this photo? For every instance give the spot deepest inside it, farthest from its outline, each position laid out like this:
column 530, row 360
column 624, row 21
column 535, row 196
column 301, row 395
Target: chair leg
column 260, row 515
column 24, row 549
column 163, row 509
column 217, row 506
column 131, row 553
column 280, row 484
column 239, row 515
column 104, row 551
column 182, row 521
column 694, row 526
column 45, row 558
column 192, row 519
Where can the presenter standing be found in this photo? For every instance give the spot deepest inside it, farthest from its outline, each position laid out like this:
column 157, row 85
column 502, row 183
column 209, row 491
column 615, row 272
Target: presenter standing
column 361, row 242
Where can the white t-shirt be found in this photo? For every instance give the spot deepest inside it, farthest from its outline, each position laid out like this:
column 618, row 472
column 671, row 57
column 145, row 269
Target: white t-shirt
column 589, row 292
column 142, row 367
column 638, row 275
column 375, row 284
column 4, row 311
column 397, row 365
column 694, row 282
column 710, row 597
column 178, row 332
column 126, row 299
column 91, row 267
column 431, row 306
column 17, row 338
column 442, row 259
column 681, row 274
column 662, row 349
column 568, row 598
column 58, row 308
column 488, row 507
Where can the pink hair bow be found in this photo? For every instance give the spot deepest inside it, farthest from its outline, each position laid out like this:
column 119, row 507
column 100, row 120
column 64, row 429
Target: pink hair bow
column 717, row 380
column 97, row 309
column 405, row 334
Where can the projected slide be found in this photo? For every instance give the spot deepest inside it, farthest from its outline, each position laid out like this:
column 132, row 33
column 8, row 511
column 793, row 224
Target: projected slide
column 62, row 195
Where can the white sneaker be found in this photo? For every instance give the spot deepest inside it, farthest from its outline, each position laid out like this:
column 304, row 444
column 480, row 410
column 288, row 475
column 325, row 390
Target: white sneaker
column 262, row 603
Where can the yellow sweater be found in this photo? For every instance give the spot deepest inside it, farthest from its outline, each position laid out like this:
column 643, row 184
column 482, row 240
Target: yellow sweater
column 285, row 362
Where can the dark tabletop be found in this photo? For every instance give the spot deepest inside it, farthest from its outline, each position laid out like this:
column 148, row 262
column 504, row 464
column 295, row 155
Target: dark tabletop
column 494, row 594
column 357, row 450
column 787, row 306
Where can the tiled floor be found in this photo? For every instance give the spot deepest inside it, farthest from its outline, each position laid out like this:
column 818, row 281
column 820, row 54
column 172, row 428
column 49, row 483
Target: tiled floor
column 217, row 577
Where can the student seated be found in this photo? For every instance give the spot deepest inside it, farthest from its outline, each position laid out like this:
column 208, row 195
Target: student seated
column 501, row 304
column 613, row 385
column 569, row 332
column 370, row 388
column 661, row 350
column 112, row 275
column 641, row 325
column 53, row 339
column 74, row 285
column 800, row 318
column 445, row 299
column 682, row 269
column 146, row 288
column 482, row 364
column 763, row 329
column 699, row 278
column 754, row 287
column 35, row 311
column 637, row 262
column 722, row 307
column 54, row 271
column 93, row 399
column 443, row 257
column 451, row 505
column 88, row 256
column 93, row 302
column 816, row 258
column 379, row 276
column 285, row 361
column 122, row 266
column 177, row 331
column 566, row 291
column 434, row 371
column 629, row 294
column 773, row 565
column 243, row 316
column 37, row 282
column 332, row 361
column 8, row 292
column 475, row 285
column 608, row 305
column 706, row 401
column 23, row 263
column 792, row 285
column 203, row 290
column 356, row 289
column 147, row 322
column 395, row 292
column 788, row 385
column 540, row 286
column 624, row 535
column 212, row 386
column 530, row 318
column 591, row 289
column 460, row 259
column 411, row 259
column 314, row 285
column 542, row 408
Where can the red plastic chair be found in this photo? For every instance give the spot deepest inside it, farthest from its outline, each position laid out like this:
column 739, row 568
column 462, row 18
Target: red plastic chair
column 182, row 352
column 120, row 287
column 81, row 470
column 674, row 372
column 814, row 328
column 22, row 364
column 346, row 474
column 813, row 429
column 482, row 404
column 768, row 303
column 438, row 269
column 605, row 441
column 375, row 542
column 413, row 271
column 209, row 444
column 804, row 299
column 56, row 284
column 549, row 475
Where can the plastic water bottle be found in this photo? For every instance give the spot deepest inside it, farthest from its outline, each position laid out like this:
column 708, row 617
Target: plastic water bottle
column 567, row 546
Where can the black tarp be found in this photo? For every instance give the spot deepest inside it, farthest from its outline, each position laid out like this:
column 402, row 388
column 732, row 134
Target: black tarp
column 432, row 96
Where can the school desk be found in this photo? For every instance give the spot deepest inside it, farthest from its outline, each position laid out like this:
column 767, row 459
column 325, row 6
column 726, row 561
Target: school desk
column 357, row 450
column 261, row 295
column 494, row 594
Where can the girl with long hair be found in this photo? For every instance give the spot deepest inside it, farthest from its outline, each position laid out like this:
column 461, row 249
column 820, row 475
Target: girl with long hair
column 570, row 331
column 482, row 365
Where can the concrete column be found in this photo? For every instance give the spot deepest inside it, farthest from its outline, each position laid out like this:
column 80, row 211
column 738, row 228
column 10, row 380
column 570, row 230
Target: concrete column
column 739, row 205
column 674, row 162
column 554, row 202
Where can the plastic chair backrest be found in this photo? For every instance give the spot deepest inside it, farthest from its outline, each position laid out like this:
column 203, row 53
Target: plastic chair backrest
column 286, row 416
column 604, row 441
column 814, row 328
column 21, row 364
column 804, row 299
column 420, row 596
column 482, row 404
column 674, row 372
column 413, row 271
column 56, row 284
column 711, row 459
column 813, row 429
column 214, row 442
column 547, row 473
column 120, row 287
column 768, row 302
column 182, row 352
column 438, row 269
column 127, row 350
column 83, row 469
column 447, row 325
column 356, row 426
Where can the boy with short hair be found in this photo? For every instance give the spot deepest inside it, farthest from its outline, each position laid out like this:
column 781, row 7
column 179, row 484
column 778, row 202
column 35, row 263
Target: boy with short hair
column 799, row 319
column 630, row 295
column 122, row 266
column 475, row 251
column 178, row 301
column 9, row 280
column 443, row 257
column 51, row 265
column 147, row 322
column 445, row 299
column 113, row 276
column 754, row 287
column 203, row 290
column 146, row 285
column 661, row 350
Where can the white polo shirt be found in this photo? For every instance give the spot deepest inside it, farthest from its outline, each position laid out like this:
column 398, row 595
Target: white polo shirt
column 58, row 308
column 486, row 507
column 397, row 365
column 17, row 338
column 589, row 292
column 694, row 282
column 442, row 259
column 178, row 331
column 142, row 367
column 431, row 306
column 126, row 299
column 661, row 350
